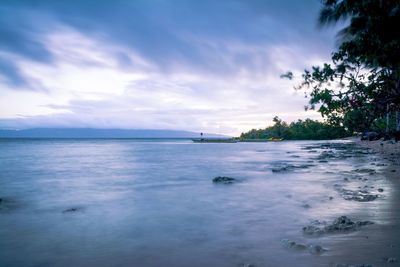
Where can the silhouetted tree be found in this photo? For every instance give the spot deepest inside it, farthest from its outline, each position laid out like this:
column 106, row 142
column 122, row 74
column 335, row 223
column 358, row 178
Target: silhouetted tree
column 362, row 83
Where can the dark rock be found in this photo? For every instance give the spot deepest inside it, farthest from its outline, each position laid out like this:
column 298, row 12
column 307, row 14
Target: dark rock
column 362, row 223
column 365, row 171
column 316, row 249
column 224, row 180
column 306, row 206
column 370, row 136
column 380, row 189
column 289, row 167
column 397, row 136
column 70, row 210
column 326, row 155
column 282, row 169
column 341, row 224
column 286, row 243
column 391, row 260
column 358, row 195
column 313, row 230
column 363, row 198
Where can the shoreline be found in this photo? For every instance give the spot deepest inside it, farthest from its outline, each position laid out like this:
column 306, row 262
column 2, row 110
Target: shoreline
column 378, row 245
column 367, row 192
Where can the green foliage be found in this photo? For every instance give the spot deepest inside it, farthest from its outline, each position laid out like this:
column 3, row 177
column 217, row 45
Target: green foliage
column 300, row 130
column 362, row 83
column 288, row 75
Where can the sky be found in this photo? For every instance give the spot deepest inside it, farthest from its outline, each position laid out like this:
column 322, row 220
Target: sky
column 206, row 66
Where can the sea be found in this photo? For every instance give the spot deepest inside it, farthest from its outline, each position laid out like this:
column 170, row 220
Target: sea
column 153, row 202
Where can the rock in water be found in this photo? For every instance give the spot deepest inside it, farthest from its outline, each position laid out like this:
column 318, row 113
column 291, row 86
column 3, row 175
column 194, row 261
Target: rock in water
column 357, row 195
column 224, row 180
column 281, row 169
column 292, row 245
column 312, row 230
column 345, row 224
column 70, row 210
column 316, row 249
column 341, row 224
column 391, row 260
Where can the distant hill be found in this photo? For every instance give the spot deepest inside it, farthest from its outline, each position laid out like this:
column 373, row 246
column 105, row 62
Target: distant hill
column 99, row 133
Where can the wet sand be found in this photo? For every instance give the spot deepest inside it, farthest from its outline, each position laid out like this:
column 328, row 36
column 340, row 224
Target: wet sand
column 378, row 244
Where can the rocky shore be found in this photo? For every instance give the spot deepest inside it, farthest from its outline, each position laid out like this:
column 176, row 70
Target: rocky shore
column 389, row 151
column 351, row 242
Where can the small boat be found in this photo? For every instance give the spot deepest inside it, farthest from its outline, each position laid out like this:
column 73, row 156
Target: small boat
column 254, row 140
column 207, row 140
column 260, row 140
column 275, row 139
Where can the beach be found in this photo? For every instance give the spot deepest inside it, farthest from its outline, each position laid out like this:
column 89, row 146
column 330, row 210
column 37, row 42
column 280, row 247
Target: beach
column 379, row 244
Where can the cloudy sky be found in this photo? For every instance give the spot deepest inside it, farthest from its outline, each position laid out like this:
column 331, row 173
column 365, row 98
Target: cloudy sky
column 197, row 65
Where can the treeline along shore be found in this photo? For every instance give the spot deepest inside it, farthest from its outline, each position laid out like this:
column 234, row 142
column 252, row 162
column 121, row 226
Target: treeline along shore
column 309, row 129
column 359, row 89
column 301, row 130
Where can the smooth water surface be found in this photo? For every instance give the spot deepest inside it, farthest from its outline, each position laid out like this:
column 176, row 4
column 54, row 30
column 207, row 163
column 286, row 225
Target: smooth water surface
column 153, row 203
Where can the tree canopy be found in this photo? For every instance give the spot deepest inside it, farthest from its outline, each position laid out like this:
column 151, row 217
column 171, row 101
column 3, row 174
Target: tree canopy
column 301, row 130
column 362, row 83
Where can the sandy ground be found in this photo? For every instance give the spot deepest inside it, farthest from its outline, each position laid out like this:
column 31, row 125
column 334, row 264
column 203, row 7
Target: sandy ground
column 385, row 237
column 390, row 152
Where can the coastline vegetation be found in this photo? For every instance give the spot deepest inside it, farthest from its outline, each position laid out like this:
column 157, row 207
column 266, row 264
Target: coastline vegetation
column 359, row 90
column 300, row 130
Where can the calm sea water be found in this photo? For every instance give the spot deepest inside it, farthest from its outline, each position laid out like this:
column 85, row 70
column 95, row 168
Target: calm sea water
column 153, row 202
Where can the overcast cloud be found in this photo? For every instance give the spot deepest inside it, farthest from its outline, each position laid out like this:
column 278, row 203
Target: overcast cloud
column 209, row 66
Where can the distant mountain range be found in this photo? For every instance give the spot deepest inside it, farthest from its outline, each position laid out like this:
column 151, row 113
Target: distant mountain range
column 100, row 133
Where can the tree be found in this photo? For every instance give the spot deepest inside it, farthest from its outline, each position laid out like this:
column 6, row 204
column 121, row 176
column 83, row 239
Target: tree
column 363, row 81
column 300, row 130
